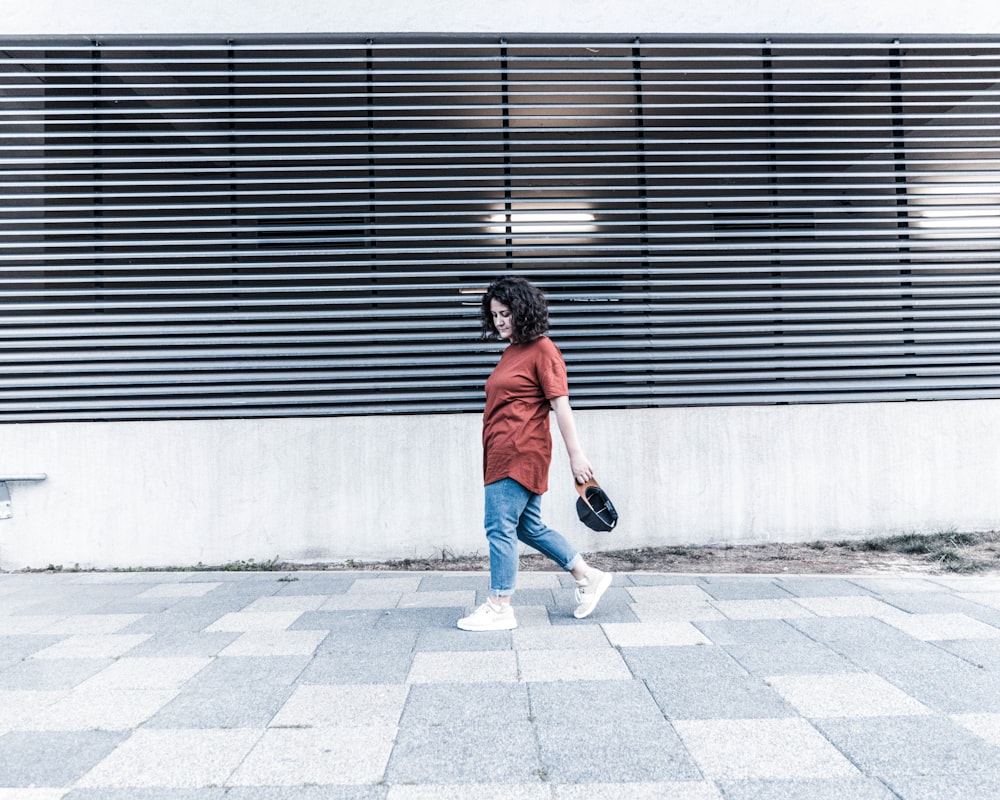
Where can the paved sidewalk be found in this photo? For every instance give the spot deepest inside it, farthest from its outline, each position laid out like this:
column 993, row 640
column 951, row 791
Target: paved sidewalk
column 309, row 685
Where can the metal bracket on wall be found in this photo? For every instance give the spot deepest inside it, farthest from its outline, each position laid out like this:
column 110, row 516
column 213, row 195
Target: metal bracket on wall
column 6, row 506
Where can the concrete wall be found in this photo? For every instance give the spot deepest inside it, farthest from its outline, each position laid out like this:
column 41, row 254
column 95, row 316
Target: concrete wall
column 179, row 493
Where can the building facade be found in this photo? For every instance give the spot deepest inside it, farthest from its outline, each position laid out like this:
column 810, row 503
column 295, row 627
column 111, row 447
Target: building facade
column 244, row 248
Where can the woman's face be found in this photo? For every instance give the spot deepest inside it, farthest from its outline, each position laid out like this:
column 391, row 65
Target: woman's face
column 502, row 319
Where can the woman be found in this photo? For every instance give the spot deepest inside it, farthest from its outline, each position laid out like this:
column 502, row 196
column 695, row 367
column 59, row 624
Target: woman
column 528, row 382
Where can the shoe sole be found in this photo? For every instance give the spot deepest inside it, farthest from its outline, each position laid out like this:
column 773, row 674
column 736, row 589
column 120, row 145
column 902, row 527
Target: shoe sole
column 602, row 587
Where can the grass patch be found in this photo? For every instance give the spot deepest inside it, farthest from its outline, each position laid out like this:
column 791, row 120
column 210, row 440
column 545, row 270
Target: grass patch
column 949, row 550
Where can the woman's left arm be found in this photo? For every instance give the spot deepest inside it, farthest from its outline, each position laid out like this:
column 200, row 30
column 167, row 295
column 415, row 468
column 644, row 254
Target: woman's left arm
column 581, row 467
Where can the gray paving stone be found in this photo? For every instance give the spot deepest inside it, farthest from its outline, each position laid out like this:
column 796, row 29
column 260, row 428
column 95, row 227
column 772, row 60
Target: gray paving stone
column 419, row 618
column 657, row 579
column 833, row 789
column 232, row 693
column 135, row 793
column 308, row 583
column 947, row 787
column 51, row 673
column 455, row 640
column 943, row 603
column 15, row 648
column 595, row 746
column 190, row 615
column 249, row 671
column 369, row 642
column 383, row 667
column 50, row 758
column 895, row 747
column 773, row 647
column 981, row 653
column 703, row 683
column 236, row 706
column 820, row 586
column 183, row 643
column 453, row 583
column 771, row 632
column 354, row 619
column 465, row 733
column 307, row 793
column 943, row 681
column 723, row 589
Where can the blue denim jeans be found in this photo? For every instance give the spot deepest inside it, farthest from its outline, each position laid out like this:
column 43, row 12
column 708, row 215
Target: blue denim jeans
column 512, row 513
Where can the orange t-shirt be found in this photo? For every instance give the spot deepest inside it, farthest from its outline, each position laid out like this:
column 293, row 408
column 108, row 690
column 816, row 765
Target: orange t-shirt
column 516, row 439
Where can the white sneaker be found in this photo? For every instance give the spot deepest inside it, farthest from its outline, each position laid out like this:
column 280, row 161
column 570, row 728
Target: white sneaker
column 489, row 616
column 589, row 591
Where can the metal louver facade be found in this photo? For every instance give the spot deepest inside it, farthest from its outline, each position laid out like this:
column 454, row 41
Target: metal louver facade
column 279, row 226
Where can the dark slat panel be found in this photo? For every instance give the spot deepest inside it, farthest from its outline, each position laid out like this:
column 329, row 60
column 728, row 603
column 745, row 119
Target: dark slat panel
column 195, row 227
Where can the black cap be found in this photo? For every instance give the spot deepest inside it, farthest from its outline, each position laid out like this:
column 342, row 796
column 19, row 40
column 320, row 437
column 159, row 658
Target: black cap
column 594, row 507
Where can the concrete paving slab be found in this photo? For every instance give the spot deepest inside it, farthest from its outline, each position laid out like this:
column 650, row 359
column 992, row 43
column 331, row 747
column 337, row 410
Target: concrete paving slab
column 560, row 638
column 289, row 757
column 51, row 674
column 274, row 643
column 446, row 736
column 985, row 726
column 368, row 641
column 472, row 791
column 182, row 758
column 762, row 748
column 594, row 747
column 182, row 645
column 791, row 789
column 22, row 707
column 114, row 710
column 981, row 653
column 90, row 623
column 145, row 673
column 653, row 634
column 853, row 695
column 744, row 589
column 455, row 640
column 821, row 586
column 662, row 790
column 581, row 665
column 676, row 698
column 895, row 747
column 489, row 666
column 160, row 793
column 288, row 602
column 352, row 667
column 946, row 787
column 40, row 759
column 112, row 645
column 703, row 683
column 177, row 590
column 849, row 606
column 773, row 647
column 342, row 706
column 933, row 627
column 761, row 609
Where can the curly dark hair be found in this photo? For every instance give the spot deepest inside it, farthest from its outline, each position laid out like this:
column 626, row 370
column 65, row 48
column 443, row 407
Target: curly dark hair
column 528, row 308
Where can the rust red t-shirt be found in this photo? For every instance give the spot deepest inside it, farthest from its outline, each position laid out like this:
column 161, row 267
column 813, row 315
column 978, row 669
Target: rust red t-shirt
column 516, row 439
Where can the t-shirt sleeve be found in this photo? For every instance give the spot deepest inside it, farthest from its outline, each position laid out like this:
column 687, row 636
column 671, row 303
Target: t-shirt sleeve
column 551, row 371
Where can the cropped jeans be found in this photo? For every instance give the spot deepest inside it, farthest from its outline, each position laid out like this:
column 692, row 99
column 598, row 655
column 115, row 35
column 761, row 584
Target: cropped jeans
column 513, row 513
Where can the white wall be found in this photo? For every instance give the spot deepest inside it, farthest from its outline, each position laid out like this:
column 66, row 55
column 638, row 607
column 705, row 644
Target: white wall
column 468, row 16
column 179, row 493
